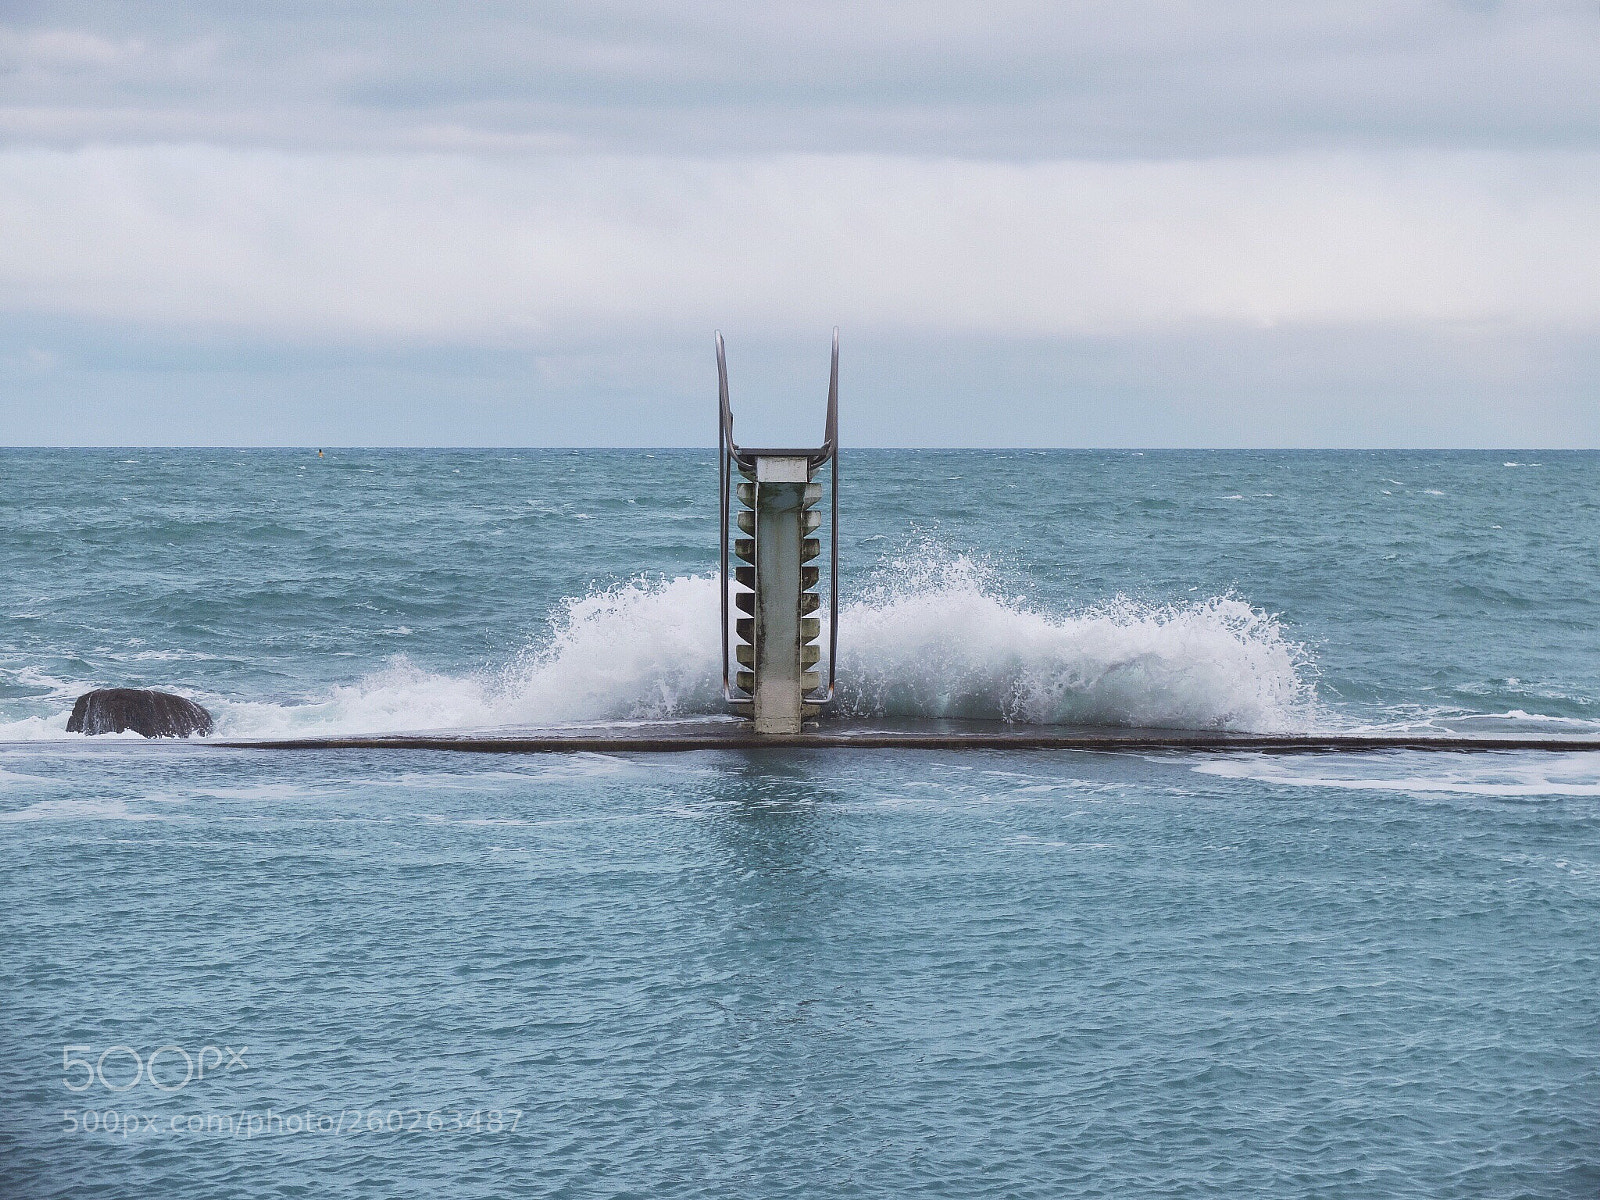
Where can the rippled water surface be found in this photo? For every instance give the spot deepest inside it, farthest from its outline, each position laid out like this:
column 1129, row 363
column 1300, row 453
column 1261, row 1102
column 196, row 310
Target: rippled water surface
column 967, row 974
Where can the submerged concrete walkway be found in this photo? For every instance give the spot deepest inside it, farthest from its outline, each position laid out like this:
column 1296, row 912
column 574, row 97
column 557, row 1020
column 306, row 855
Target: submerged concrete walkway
column 702, row 734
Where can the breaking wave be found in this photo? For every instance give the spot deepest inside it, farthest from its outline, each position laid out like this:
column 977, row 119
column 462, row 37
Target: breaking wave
column 639, row 650
column 935, row 636
column 938, row 639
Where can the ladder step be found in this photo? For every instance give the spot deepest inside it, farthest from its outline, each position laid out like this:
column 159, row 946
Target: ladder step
column 810, row 628
column 813, row 494
column 747, row 522
column 809, row 603
column 808, row 577
column 747, row 494
column 813, row 521
column 747, row 602
column 746, row 576
column 745, row 627
column 809, row 549
column 810, row 655
column 746, row 655
column 745, row 548
column 745, row 681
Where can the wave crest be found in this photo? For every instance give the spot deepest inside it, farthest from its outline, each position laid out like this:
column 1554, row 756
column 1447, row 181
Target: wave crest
column 937, row 639
column 640, row 650
column 934, row 636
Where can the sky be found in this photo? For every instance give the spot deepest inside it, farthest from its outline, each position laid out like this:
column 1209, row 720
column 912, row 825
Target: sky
column 1036, row 224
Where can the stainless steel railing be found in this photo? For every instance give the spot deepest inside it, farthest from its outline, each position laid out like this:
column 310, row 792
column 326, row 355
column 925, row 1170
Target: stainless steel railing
column 730, row 455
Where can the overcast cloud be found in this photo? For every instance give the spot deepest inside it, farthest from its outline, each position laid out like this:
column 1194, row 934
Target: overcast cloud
column 1219, row 223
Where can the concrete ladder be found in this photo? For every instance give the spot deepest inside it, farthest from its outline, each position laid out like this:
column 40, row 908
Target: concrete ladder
column 775, row 590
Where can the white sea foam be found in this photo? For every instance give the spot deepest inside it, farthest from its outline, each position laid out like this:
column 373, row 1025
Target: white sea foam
column 936, row 636
column 642, row 649
column 1454, row 720
column 1507, row 776
column 108, row 808
column 15, row 780
column 36, row 729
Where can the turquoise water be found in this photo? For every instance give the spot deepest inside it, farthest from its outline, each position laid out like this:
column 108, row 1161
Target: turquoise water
column 967, row 974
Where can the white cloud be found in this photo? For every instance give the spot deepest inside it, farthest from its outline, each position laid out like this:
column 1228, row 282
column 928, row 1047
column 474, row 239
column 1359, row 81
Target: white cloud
column 33, row 54
column 1335, row 220
column 462, row 249
column 1018, row 78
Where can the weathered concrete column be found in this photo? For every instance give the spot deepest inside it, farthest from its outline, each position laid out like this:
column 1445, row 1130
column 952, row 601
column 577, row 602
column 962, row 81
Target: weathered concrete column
column 779, row 705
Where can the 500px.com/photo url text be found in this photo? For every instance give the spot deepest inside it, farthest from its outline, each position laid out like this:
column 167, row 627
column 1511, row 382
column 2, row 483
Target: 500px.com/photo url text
column 271, row 1123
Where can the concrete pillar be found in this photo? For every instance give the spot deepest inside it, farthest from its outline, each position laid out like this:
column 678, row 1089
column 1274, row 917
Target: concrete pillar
column 780, row 527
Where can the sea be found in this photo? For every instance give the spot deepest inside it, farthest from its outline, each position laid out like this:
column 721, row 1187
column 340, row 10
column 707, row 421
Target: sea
column 800, row 973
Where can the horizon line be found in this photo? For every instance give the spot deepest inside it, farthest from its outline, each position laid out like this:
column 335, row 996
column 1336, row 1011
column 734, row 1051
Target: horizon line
column 309, row 447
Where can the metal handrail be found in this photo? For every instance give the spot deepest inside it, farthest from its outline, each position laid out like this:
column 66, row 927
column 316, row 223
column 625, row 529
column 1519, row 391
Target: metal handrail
column 747, row 455
column 724, row 437
column 831, row 444
column 827, row 454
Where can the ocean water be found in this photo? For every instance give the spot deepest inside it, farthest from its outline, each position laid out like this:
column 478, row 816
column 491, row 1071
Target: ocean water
column 361, row 973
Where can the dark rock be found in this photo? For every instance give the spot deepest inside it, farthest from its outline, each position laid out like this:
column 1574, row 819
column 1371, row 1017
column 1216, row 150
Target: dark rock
column 154, row 714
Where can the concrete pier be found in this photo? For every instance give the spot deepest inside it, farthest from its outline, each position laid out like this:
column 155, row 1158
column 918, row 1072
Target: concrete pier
column 778, row 703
